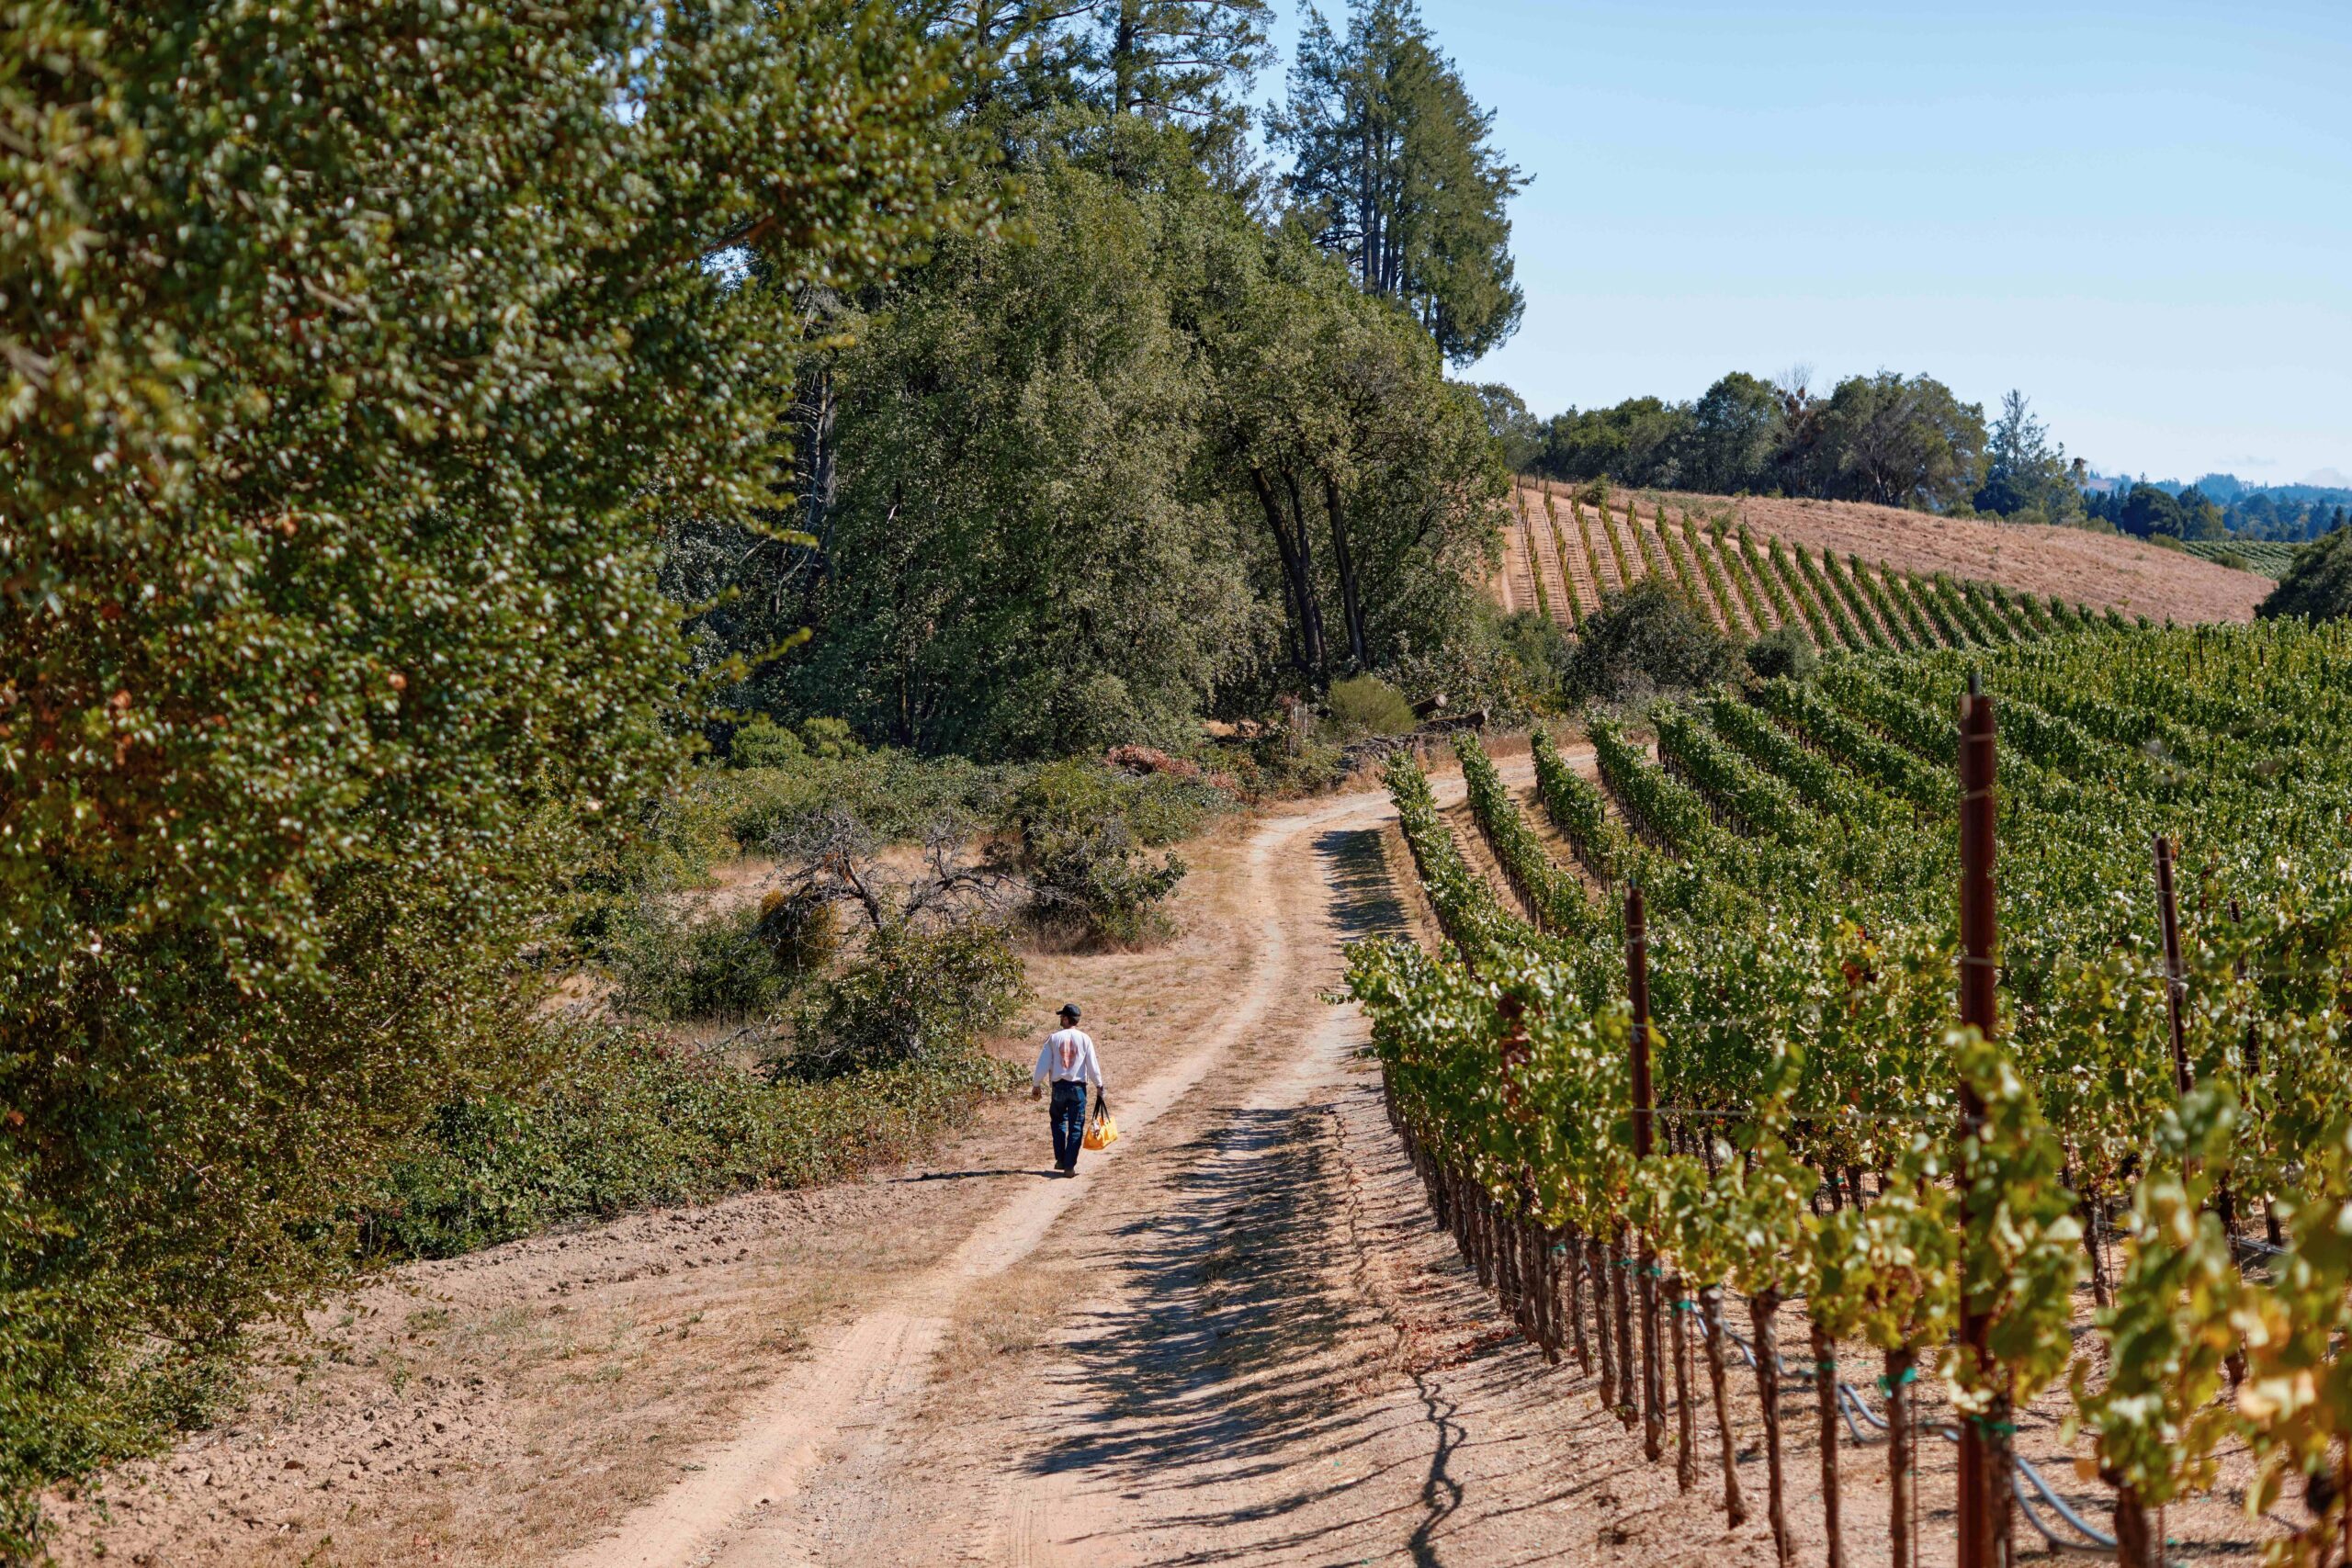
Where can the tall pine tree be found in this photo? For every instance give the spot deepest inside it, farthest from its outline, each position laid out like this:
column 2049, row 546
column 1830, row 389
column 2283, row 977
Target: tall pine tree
column 1394, row 163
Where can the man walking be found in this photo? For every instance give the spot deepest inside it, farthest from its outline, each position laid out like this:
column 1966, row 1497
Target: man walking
column 1067, row 1061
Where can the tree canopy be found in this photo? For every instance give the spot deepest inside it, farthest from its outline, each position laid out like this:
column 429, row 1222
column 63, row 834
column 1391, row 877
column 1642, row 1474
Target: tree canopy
column 1898, row 440
column 2026, row 474
column 2318, row 584
column 1140, row 455
column 349, row 360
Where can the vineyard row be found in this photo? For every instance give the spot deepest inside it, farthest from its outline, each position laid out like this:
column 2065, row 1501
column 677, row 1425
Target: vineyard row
column 1561, row 557
column 2169, row 1067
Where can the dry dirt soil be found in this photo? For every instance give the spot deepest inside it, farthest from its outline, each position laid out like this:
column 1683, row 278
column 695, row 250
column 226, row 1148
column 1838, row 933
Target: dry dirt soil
column 2100, row 570
column 1234, row 1337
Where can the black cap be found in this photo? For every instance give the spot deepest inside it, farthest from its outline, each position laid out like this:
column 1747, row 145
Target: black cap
column 1069, row 1011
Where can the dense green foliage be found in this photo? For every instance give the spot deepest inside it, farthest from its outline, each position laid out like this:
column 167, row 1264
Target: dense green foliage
column 624, row 1120
column 1021, row 561
column 1085, row 836
column 670, row 958
column 1645, row 641
column 351, row 361
column 2228, row 512
column 1900, row 441
column 2026, row 476
column 1366, row 704
column 2318, row 584
column 915, row 996
column 1142, row 454
column 1802, row 986
column 2147, row 512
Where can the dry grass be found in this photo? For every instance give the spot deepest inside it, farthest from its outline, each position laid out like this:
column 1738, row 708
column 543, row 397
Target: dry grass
column 995, row 1322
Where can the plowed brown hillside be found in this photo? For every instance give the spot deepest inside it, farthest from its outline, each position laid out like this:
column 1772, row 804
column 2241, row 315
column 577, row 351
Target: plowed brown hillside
column 2099, row 570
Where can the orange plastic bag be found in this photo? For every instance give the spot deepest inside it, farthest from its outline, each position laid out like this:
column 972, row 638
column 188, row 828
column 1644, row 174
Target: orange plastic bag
column 1100, row 1133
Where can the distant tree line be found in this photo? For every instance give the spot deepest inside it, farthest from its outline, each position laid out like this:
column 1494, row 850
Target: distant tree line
column 1897, row 440
column 1900, row 441
column 2191, row 514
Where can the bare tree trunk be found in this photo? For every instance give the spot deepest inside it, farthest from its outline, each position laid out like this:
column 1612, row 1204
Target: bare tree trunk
column 1483, row 1250
column 1298, row 573
column 1761, row 1310
column 1824, row 1388
column 1124, row 64
column 1351, row 602
column 2134, row 1544
column 1653, row 1372
column 824, row 406
column 2086, row 1206
column 1711, row 1311
column 1997, row 1446
column 1547, row 1309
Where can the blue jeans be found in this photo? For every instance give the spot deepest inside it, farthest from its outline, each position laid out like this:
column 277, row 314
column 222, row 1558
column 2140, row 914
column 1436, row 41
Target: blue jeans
column 1068, row 1116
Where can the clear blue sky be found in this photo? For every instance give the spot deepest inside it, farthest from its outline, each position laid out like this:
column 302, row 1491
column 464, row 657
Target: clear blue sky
column 2139, row 214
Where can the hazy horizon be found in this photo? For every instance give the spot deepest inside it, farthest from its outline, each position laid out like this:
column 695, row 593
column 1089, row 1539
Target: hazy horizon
column 2134, row 215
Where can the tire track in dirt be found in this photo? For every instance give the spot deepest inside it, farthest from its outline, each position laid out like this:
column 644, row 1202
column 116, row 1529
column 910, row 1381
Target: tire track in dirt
column 729, row 1509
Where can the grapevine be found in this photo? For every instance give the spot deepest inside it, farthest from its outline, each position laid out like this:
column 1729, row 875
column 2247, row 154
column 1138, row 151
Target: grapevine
column 1801, row 975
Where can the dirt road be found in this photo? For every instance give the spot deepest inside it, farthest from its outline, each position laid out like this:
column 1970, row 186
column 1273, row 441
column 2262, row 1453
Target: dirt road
column 863, row 1387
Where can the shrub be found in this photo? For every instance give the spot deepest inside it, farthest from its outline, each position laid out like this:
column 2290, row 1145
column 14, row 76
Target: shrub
column 1366, row 704
column 2166, row 542
column 914, row 995
column 801, row 930
column 620, row 1120
column 1543, row 653
column 2232, row 560
column 1084, row 831
column 763, row 743
column 2318, row 583
column 1269, row 768
column 830, row 739
column 674, row 958
column 1784, row 651
column 1644, row 641
column 1471, row 671
column 734, row 811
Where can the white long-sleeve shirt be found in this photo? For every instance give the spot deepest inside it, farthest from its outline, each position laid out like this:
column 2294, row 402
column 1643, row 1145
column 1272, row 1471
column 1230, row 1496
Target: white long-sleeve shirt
column 1067, row 1056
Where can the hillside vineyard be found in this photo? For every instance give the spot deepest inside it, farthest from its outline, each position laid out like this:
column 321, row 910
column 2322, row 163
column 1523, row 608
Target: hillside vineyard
column 2163, row 1112
column 1561, row 555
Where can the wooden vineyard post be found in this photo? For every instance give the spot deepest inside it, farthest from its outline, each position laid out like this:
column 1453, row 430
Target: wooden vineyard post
column 1637, row 977
column 1981, row 1539
column 2176, row 1008
column 2253, row 1058
column 2176, row 983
